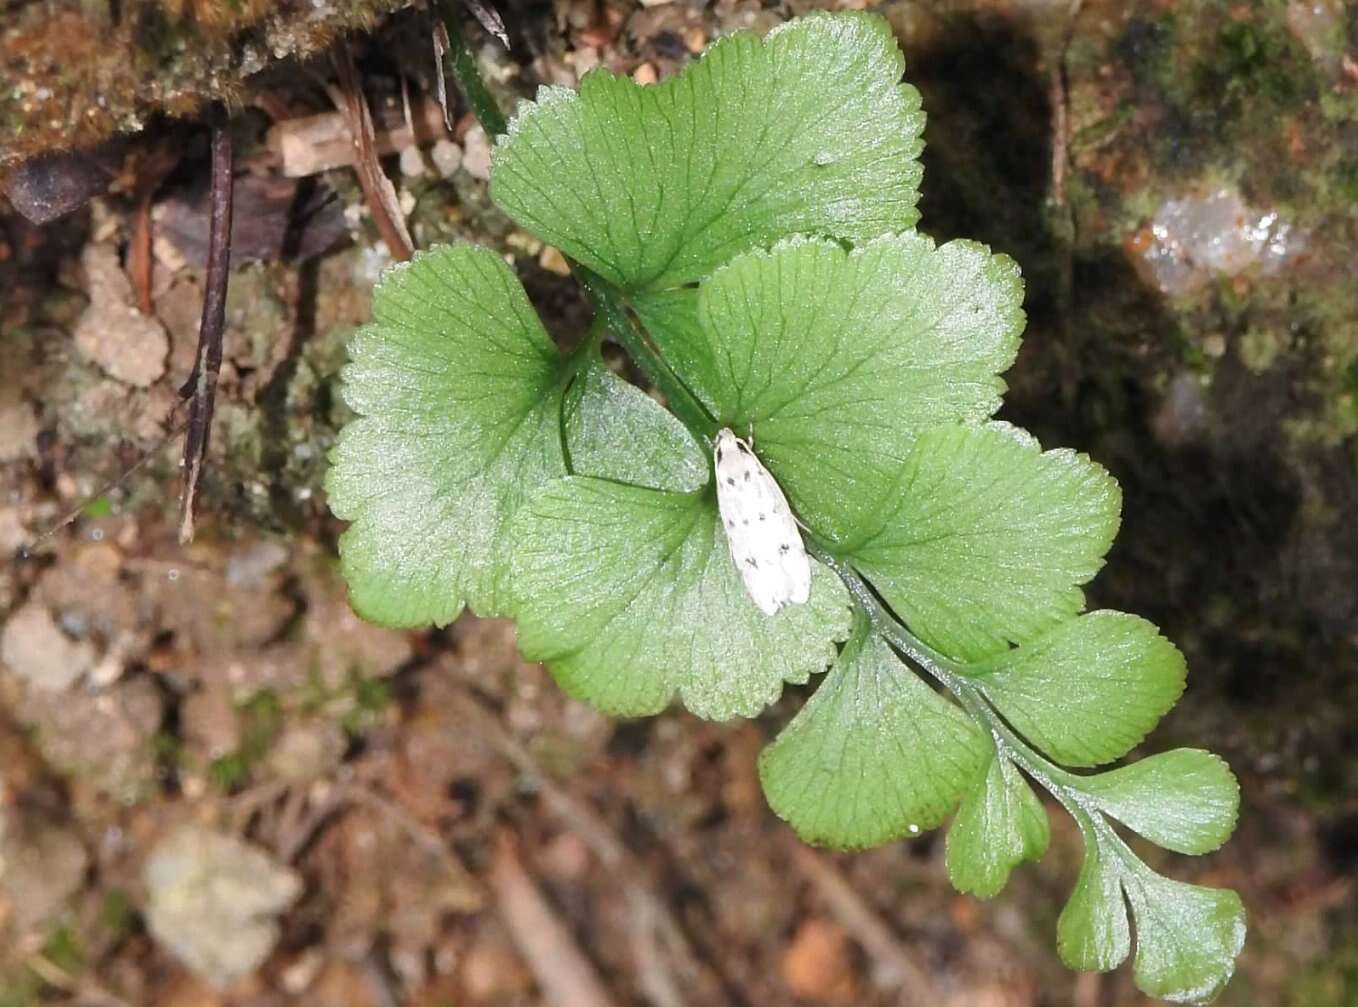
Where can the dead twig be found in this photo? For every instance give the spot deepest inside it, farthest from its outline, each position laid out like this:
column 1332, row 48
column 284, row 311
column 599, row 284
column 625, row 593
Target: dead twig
column 489, row 19
column 378, row 191
column 201, row 388
column 75, row 512
column 152, row 171
column 316, row 143
column 567, row 978
column 895, row 961
column 656, row 929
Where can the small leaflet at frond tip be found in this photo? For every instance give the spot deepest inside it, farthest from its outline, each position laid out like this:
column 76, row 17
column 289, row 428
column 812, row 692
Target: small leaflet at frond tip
column 766, row 545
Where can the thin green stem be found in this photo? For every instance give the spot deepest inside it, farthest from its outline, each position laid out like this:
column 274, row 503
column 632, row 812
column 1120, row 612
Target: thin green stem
column 459, row 62
column 623, row 330
column 608, row 301
column 1062, row 784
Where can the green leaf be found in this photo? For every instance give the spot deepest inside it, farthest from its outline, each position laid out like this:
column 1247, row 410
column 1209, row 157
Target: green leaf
column 837, row 360
column 629, row 595
column 1000, row 824
column 1185, row 800
column 670, row 318
column 1093, row 934
column 807, row 131
column 616, row 431
column 874, row 755
column 987, row 538
column 1187, row 936
column 458, row 391
column 1089, row 690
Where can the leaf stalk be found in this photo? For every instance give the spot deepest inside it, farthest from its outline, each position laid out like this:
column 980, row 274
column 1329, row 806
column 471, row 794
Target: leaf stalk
column 608, row 302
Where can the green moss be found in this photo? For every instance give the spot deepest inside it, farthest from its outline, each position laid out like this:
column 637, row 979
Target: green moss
column 117, row 915
column 1344, row 183
column 19, row 990
column 1146, row 46
column 261, row 719
column 64, row 949
column 229, row 772
column 100, row 506
column 366, row 698
column 1331, row 983
column 372, row 694
column 1348, row 386
column 1260, row 348
column 1256, row 59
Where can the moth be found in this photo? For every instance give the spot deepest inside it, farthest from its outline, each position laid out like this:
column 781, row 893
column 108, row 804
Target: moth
column 766, row 545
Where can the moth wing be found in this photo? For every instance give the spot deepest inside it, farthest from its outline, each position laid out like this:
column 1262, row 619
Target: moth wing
column 765, row 543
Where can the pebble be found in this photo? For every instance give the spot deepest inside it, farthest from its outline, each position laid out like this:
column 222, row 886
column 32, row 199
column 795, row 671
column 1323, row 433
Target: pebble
column 553, row 261
column 38, row 652
column 447, row 157
column 213, row 900
column 41, row 866
column 476, row 153
column 412, row 162
column 18, row 428
column 112, row 334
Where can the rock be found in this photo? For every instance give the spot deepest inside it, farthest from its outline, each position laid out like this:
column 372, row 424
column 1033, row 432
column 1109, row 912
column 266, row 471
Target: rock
column 112, row 333
column 447, row 157
column 476, row 153
column 308, row 751
column 250, row 567
column 1195, row 236
column 412, row 162
column 13, row 534
column 101, row 739
column 343, row 646
column 1320, row 27
column 817, row 966
column 18, row 427
column 39, row 653
column 553, row 261
column 41, row 866
column 208, row 722
column 50, row 185
column 213, row 899
column 86, row 592
column 1182, row 416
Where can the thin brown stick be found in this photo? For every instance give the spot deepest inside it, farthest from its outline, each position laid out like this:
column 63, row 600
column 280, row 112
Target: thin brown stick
column 70, row 516
column 152, row 170
column 566, row 976
column 866, row 926
column 201, row 388
column 378, row 191
column 657, row 930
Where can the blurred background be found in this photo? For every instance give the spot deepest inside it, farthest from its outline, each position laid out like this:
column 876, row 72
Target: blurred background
column 219, row 788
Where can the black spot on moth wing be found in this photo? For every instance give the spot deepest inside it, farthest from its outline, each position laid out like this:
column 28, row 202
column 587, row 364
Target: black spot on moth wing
column 785, row 548
column 730, row 480
column 747, row 475
column 751, row 562
column 763, row 517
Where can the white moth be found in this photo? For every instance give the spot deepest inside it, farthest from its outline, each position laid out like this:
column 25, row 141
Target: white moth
column 766, row 546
